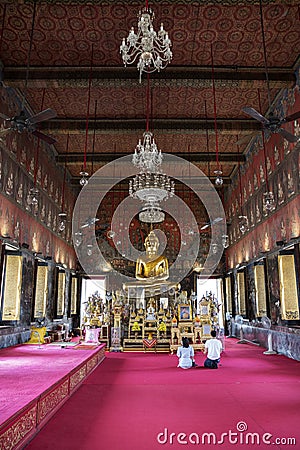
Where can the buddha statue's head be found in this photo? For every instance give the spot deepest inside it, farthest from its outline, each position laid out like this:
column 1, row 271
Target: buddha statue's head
column 151, row 244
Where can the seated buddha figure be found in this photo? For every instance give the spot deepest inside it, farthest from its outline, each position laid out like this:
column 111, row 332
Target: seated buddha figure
column 152, row 267
column 150, row 310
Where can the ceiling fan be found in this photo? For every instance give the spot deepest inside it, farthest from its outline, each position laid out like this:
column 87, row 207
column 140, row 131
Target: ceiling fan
column 272, row 123
column 23, row 122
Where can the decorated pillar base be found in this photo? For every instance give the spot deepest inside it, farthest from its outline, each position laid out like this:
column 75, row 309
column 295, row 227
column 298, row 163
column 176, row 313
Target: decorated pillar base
column 116, row 340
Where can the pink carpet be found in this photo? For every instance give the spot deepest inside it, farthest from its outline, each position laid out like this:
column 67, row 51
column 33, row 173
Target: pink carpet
column 133, row 397
column 26, row 371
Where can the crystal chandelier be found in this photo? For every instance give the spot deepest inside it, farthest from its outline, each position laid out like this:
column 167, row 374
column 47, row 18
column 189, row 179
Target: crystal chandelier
column 62, row 221
column 219, row 179
column 78, row 238
column 150, row 185
column 243, row 224
column 146, row 155
column 83, row 180
column 150, row 49
column 152, row 213
column 225, row 240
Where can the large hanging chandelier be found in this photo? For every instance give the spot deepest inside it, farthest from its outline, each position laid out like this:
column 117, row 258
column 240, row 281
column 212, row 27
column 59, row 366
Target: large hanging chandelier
column 150, row 49
column 151, row 186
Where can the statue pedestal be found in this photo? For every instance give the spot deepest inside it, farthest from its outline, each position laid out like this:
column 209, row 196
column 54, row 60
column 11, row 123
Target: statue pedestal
column 151, row 287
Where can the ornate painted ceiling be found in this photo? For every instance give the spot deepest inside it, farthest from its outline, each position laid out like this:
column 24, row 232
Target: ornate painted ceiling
column 184, row 116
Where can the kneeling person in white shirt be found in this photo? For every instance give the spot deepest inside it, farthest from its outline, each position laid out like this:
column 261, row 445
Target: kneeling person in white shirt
column 213, row 349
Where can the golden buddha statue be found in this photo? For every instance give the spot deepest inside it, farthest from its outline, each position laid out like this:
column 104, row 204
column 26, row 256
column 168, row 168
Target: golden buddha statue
column 151, row 271
column 152, row 267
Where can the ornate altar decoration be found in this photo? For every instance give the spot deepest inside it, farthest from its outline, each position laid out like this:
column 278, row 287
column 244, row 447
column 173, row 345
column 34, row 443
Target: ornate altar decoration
column 150, row 325
column 154, row 315
column 193, row 324
column 96, row 319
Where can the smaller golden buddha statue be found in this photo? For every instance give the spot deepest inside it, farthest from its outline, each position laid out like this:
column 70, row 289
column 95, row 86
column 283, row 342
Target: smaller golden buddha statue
column 152, row 267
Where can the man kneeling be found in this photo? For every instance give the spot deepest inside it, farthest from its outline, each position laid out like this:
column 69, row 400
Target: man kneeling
column 213, row 349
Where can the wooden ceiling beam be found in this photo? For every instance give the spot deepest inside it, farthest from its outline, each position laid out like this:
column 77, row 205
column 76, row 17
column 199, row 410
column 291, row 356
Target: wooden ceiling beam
column 76, row 158
column 56, row 77
column 178, row 125
column 122, row 186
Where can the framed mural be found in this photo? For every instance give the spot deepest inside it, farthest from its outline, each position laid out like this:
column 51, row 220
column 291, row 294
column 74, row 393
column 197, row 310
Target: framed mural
column 288, row 288
column 41, row 291
column 228, row 294
column 11, row 290
column 61, row 293
column 241, row 293
column 260, row 290
column 74, row 290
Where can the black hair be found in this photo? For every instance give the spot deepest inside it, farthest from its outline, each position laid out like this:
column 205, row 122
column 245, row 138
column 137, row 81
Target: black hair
column 185, row 342
column 213, row 333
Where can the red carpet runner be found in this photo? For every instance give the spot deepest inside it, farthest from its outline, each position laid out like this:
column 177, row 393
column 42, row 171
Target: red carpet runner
column 142, row 401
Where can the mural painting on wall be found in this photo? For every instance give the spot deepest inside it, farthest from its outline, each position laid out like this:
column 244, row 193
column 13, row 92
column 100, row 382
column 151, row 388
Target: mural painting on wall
column 13, row 215
column 18, row 168
column 278, row 227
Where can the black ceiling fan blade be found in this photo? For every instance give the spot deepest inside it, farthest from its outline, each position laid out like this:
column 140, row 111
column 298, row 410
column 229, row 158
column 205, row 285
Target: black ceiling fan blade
column 255, row 114
column 44, row 137
column 246, row 139
column 47, row 114
column 288, row 136
column 291, row 117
